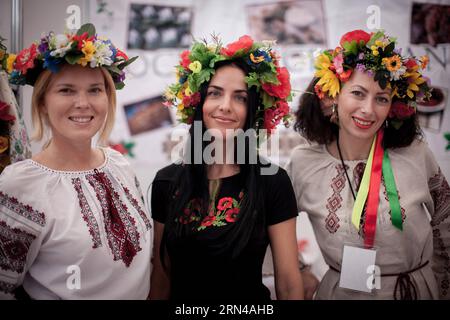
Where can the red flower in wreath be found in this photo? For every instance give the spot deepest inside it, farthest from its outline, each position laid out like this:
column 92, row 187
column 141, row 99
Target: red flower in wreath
column 185, row 61
column 4, row 112
column 269, row 120
column 121, row 54
column 25, row 59
column 208, row 220
column 401, row 110
column 411, row 63
column 281, row 90
column 231, row 214
column 356, row 35
column 319, row 92
column 344, row 76
column 192, row 100
column 244, row 43
column 225, row 203
column 282, row 108
column 273, row 116
column 81, row 38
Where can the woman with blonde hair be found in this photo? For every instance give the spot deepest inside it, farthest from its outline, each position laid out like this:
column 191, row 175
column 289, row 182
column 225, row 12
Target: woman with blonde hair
column 72, row 219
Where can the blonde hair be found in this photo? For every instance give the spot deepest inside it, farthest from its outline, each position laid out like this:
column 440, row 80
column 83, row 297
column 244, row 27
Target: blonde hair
column 39, row 119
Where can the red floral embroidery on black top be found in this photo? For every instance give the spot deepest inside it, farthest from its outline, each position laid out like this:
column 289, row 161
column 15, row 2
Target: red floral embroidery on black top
column 231, row 214
column 191, row 213
column 14, row 246
column 226, row 211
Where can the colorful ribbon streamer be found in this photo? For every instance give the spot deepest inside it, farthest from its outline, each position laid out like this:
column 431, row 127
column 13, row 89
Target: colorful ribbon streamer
column 363, row 191
column 391, row 190
column 378, row 164
column 373, row 198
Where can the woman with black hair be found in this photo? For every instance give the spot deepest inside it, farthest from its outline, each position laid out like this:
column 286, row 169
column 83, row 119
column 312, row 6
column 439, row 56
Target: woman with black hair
column 214, row 217
column 376, row 197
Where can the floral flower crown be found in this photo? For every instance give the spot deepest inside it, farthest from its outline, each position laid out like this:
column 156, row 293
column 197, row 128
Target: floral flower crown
column 198, row 65
column 83, row 48
column 375, row 54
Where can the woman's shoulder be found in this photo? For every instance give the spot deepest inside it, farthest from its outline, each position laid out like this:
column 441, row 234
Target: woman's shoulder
column 272, row 174
column 308, row 151
column 23, row 172
column 22, row 188
column 305, row 156
column 417, row 156
column 115, row 157
column 169, row 172
column 418, row 149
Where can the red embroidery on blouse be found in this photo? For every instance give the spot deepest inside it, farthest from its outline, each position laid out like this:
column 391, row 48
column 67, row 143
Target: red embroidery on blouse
column 440, row 192
column 7, row 287
column 14, row 246
column 87, row 214
column 335, row 200
column 21, row 209
column 138, row 208
column 122, row 234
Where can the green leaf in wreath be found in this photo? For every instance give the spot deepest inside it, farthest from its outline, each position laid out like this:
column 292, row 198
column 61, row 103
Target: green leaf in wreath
column 252, row 80
column 88, row 27
column 390, row 47
column 126, row 63
column 119, row 85
column 374, row 38
column 73, row 58
column 268, row 101
column 113, row 68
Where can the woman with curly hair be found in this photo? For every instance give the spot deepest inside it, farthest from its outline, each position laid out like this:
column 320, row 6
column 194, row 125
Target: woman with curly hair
column 376, row 197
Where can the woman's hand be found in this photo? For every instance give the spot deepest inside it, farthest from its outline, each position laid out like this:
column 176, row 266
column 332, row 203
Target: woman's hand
column 159, row 279
column 310, row 283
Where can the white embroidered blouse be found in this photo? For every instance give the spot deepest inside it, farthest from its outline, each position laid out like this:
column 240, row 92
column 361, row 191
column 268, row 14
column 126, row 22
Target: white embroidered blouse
column 74, row 234
column 322, row 191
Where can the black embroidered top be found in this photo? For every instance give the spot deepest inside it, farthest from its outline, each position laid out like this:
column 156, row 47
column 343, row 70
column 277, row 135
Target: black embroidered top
column 197, row 271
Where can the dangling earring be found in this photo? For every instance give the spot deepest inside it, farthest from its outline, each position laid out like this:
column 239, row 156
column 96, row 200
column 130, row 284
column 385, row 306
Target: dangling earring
column 386, row 124
column 334, row 113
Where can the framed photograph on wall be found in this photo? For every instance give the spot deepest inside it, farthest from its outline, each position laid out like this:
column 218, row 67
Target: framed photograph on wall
column 153, row 27
column 147, row 115
column 431, row 113
column 290, row 22
column 430, row 24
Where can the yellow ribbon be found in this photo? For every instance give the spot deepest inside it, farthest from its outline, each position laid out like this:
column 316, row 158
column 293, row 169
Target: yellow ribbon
column 363, row 189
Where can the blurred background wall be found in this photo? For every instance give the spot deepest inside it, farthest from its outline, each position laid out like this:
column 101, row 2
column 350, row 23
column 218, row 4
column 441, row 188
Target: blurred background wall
column 157, row 31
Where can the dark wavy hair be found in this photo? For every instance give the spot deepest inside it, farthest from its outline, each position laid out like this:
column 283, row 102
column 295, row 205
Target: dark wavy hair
column 191, row 182
column 316, row 127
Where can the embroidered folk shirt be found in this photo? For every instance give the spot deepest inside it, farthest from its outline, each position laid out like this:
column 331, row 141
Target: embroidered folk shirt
column 74, row 234
column 323, row 192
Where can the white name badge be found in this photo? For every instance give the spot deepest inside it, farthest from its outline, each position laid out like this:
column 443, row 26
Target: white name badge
column 358, row 271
